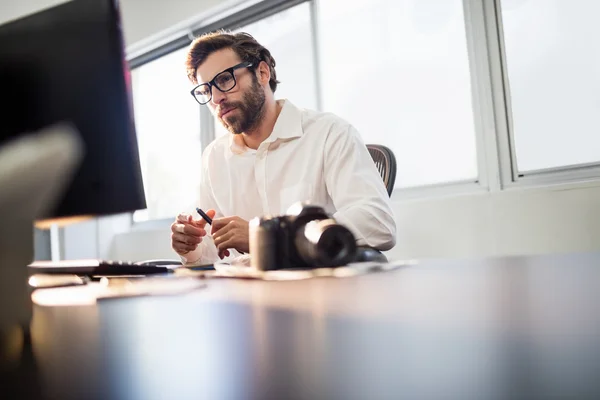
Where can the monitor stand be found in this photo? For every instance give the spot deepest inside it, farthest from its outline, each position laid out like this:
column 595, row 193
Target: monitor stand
column 35, row 169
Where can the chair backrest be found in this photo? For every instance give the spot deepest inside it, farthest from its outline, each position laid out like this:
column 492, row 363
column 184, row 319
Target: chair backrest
column 385, row 161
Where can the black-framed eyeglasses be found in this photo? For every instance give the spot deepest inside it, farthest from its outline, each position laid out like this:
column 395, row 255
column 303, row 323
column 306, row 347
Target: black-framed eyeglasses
column 224, row 81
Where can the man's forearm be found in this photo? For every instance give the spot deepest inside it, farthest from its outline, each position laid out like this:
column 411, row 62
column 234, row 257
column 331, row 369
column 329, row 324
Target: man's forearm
column 371, row 225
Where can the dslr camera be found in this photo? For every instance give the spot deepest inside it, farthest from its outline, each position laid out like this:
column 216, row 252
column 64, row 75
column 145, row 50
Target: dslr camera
column 306, row 237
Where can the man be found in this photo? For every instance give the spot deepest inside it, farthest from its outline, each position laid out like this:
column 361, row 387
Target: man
column 275, row 155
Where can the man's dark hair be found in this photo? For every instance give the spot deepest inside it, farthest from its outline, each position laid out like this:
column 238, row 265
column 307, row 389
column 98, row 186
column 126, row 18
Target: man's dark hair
column 243, row 44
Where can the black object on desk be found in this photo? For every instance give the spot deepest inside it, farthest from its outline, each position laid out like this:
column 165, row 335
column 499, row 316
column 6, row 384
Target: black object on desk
column 95, row 268
column 366, row 254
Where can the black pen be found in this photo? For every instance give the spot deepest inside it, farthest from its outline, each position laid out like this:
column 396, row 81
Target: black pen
column 203, row 215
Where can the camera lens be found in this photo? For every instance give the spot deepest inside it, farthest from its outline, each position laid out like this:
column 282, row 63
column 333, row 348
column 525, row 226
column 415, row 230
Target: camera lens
column 324, row 243
column 334, row 247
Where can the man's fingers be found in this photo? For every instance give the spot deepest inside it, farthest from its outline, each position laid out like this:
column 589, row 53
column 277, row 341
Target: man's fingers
column 193, row 230
column 201, row 222
column 186, row 239
column 183, row 248
column 217, row 231
column 225, row 245
column 211, row 213
column 183, row 218
column 220, row 241
column 220, row 223
column 188, row 229
column 223, row 253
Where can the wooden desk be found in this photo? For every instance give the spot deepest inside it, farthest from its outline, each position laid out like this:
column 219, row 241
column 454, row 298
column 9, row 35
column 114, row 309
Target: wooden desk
column 491, row 329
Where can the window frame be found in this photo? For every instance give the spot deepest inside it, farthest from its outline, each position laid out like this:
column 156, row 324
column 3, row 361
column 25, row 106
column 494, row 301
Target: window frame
column 511, row 176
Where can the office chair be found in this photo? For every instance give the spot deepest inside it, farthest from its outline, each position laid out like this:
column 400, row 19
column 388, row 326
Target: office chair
column 385, row 161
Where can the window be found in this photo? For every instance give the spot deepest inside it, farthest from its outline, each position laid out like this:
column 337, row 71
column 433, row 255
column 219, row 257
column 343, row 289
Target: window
column 553, row 66
column 168, row 129
column 398, row 70
column 288, row 36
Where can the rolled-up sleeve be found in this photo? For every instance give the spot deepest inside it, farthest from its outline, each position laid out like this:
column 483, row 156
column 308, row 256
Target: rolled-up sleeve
column 357, row 189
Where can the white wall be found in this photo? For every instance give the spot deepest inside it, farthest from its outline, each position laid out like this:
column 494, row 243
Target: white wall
column 141, row 18
column 516, row 222
column 93, row 238
column 145, row 18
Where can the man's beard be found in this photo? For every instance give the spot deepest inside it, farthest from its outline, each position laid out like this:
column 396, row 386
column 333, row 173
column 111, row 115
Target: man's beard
column 250, row 110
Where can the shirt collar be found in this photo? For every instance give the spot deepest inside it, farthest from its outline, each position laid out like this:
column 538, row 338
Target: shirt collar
column 287, row 126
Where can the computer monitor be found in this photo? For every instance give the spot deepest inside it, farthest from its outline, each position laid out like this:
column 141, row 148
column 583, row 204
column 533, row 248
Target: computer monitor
column 67, row 63
column 62, row 65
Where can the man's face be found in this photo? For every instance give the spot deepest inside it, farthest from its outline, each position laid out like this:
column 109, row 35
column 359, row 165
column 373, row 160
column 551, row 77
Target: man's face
column 241, row 108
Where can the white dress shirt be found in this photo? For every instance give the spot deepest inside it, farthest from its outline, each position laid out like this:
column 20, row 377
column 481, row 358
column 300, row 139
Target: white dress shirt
column 310, row 156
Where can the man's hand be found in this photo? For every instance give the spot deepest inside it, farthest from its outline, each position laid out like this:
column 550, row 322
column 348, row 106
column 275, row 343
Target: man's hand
column 231, row 233
column 187, row 232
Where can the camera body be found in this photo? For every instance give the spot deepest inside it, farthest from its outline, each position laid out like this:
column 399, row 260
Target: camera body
column 306, row 237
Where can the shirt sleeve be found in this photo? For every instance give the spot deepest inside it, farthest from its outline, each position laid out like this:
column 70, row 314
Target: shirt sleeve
column 357, row 189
